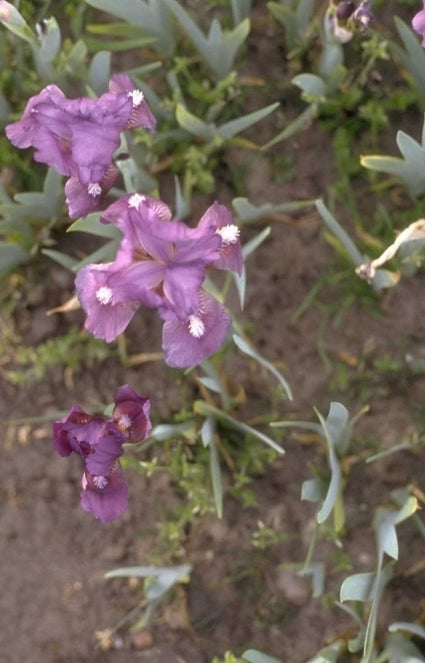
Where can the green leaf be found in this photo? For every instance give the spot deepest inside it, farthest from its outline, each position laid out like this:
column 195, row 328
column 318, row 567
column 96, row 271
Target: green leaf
column 100, row 71
column 153, row 18
column 249, row 350
column 335, row 484
column 76, row 58
column 332, row 224
column 240, row 283
column 383, row 577
column 15, row 22
column 208, row 431
column 255, row 242
column 384, row 279
column 5, row 109
column 105, row 253
column 182, row 205
column 11, row 255
column 93, row 225
column 50, row 42
column 126, row 30
column 47, row 49
column 241, row 9
column 15, row 227
column 117, row 46
column 230, row 129
column 328, row 654
column 255, row 656
column 149, row 571
column 303, row 12
column 338, row 425
column 216, row 479
column 385, row 522
column 317, row 572
column 211, row 384
column 249, row 213
column 414, row 629
column 52, row 190
column 163, row 577
column 413, row 57
column 357, row 587
column 208, row 439
column 301, row 122
column 311, row 84
column 193, row 124
column 164, row 581
column 205, row 409
column 45, row 205
column 295, row 22
column 164, row 432
column 387, row 452
column 219, row 48
column 399, row 649
column 411, row 168
column 313, row 490
column 61, row 258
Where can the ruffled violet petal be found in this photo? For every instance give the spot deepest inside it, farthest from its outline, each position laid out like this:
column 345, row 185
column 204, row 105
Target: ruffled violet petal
column 98, row 290
column 105, row 497
column 106, row 451
column 83, row 199
column 77, row 432
column 187, row 343
column 218, row 219
column 131, row 414
column 141, row 115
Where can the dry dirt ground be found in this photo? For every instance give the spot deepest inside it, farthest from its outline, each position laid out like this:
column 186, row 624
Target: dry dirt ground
column 53, row 557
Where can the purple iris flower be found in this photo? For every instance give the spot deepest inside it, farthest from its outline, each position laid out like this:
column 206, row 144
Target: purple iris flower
column 188, row 342
column 162, row 264
column 77, row 137
column 131, row 414
column 418, row 23
column 99, row 442
column 168, row 257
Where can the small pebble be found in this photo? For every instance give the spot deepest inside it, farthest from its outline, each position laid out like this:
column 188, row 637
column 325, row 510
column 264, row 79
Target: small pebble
column 142, row 639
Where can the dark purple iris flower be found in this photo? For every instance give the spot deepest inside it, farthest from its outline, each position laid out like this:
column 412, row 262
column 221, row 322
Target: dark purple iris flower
column 131, row 414
column 99, row 442
column 105, row 497
column 77, row 137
